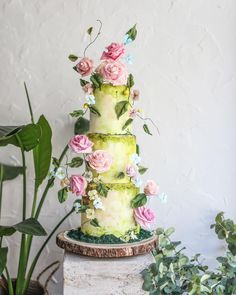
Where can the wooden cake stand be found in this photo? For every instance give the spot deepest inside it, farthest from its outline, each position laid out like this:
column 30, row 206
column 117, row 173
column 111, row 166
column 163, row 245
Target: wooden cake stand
column 105, row 250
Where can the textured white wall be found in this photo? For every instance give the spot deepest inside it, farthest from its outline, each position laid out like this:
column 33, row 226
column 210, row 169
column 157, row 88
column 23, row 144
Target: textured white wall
column 185, row 67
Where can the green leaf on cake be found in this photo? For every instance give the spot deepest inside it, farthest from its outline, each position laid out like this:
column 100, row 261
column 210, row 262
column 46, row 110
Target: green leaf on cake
column 139, row 201
column 76, row 162
column 73, row 57
column 137, row 150
column 120, row 175
column 83, row 208
column 94, row 222
column 96, row 80
column 130, row 81
column 142, row 169
column 77, row 113
column 83, row 82
column 132, row 33
column 94, row 110
column 102, row 189
column 62, row 195
column 81, row 126
column 121, row 108
column 90, row 30
column 146, row 129
column 127, row 123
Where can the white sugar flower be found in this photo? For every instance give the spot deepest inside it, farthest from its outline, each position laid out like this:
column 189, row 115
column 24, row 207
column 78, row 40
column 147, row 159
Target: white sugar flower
column 137, row 181
column 88, row 176
column 93, row 194
column 97, row 179
column 77, row 206
column 97, row 203
column 60, row 173
column 90, row 99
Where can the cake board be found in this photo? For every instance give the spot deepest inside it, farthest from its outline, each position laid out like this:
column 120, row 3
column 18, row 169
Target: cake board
column 105, row 250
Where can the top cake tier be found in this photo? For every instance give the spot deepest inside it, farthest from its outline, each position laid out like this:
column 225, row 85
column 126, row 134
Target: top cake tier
column 107, row 98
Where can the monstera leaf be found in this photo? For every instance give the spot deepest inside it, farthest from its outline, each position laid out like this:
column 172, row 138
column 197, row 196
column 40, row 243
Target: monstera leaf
column 29, row 135
column 43, row 152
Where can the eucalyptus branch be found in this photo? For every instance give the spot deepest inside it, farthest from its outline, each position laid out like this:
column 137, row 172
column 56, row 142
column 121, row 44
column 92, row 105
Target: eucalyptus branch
column 99, row 32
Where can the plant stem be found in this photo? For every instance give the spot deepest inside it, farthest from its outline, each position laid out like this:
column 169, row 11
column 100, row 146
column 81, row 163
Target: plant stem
column 23, row 253
column 29, row 103
column 9, row 282
column 32, row 267
column 99, row 32
column 1, row 186
column 34, row 201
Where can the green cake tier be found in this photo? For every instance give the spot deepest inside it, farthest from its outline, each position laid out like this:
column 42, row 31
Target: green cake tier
column 121, row 148
column 106, row 99
column 117, row 217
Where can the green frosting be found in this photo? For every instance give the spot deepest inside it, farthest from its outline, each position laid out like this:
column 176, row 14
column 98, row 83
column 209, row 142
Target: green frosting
column 121, row 148
column 106, row 99
column 78, row 235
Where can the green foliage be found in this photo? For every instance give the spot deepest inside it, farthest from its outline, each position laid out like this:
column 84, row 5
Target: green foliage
column 76, row 162
column 9, row 172
column 3, row 259
column 130, row 81
column 127, row 123
column 73, row 57
column 132, row 33
column 121, row 108
column 139, row 200
column 146, row 129
column 29, row 226
column 94, row 222
column 96, row 80
column 175, row 273
column 42, row 152
column 142, row 170
column 81, row 126
column 94, row 110
column 90, row 30
column 137, row 150
column 77, row 113
column 62, row 195
column 120, row 175
column 102, row 189
column 83, row 82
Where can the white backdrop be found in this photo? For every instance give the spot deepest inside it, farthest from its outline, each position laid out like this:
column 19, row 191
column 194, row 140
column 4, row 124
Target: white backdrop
column 184, row 66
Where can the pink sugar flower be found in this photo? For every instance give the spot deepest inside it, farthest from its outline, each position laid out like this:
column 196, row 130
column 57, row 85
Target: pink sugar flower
column 85, row 66
column 144, row 216
column 113, row 51
column 80, row 144
column 151, row 188
column 78, row 185
column 99, row 160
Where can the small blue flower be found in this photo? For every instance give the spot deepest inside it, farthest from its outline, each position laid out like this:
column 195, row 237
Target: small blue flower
column 137, row 181
column 127, row 40
column 136, row 159
column 97, row 203
column 129, row 59
column 90, row 99
column 163, row 197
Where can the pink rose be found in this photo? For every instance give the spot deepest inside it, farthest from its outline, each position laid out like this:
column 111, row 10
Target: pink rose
column 132, row 171
column 135, row 95
column 85, row 66
column 99, row 160
column 80, row 144
column 114, row 51
column 88, row 88
column 113, row 72
column 78, row 185
column 133, row 113
column 144, row 216
column 151, row 188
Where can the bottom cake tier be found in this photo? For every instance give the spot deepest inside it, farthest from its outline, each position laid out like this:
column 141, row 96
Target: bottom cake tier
column 116, row 218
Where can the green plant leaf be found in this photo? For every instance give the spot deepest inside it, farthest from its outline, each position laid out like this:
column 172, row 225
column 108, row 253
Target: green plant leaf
column 94, row 110
column 130, row 81
column 142, row 170
column 102, row 189
column 120, row 175
column 121, row 108
column 139, row 200
column 94, row 222
column 137, row 150
column 62, row 195
column 132, row 33
column 73, row 57
column 3, row 259
column 219, row 217
column 81, row 126
column 83, row 82
column 127, row 123
column 29, row 226
column 76, row 162
column 77, row 113
column 96, row 80
column 146, row 129
column 169, row 231
column 9, row 172
column 90, row 30
column 43, row 152
column 9, row 130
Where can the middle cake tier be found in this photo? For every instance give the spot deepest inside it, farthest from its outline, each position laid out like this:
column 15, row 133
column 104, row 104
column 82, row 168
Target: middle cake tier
column 121, row 148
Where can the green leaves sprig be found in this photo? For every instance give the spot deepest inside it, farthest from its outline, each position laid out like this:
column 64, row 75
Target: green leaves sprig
column 139, row 200
column 132, row 33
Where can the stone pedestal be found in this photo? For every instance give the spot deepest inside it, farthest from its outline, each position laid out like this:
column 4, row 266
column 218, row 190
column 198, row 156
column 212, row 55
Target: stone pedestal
column 104, row 276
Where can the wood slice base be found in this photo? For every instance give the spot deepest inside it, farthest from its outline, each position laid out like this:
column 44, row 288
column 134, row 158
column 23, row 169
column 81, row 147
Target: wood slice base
column 105, row 250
